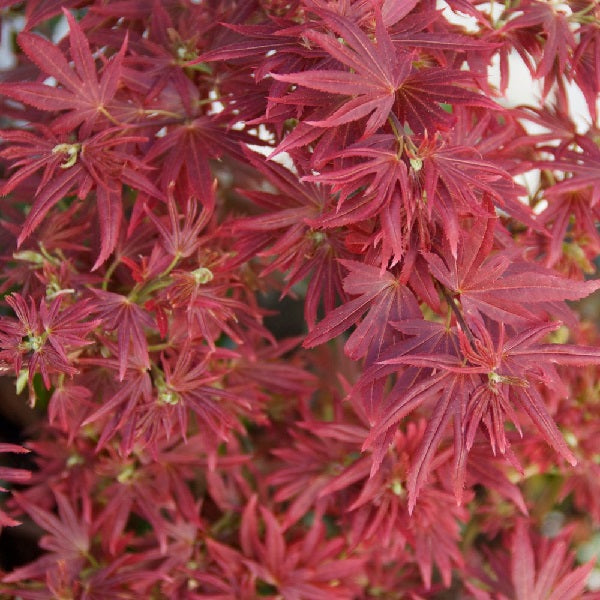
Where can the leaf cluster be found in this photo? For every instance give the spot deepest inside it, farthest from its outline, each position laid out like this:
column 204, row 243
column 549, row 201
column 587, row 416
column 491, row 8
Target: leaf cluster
column 166, row 166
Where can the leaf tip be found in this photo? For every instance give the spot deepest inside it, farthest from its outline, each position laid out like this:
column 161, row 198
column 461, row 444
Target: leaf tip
column 68, row 15
column 22, row 237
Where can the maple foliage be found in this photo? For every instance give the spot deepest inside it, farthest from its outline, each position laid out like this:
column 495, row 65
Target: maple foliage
column 535, row 573
column 179, row 179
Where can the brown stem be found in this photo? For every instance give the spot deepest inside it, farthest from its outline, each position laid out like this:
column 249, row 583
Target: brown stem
column 459, row 317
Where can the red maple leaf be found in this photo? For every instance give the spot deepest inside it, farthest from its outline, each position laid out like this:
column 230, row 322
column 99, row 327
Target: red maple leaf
column 542, row 571
column 81, row 92
column 500, row 285
column 377, row 71
column 44, row 337
column 99, row 163
column 380, row 78
column 67, row 537
column 284, row 231
column 381, row 296
column 482, row 384
column 382, row 174
column 303, row 569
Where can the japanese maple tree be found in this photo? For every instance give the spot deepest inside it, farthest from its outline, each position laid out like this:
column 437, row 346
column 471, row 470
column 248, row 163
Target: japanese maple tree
column 177, row 178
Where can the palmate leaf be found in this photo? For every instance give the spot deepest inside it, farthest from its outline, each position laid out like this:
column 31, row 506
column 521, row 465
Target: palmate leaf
column 534, row 570
column 585, row 167
column 552, row 580
column 559, row 41
column 128, row 320
column 451, row 178
column 480, row 386
column 501, row 286
column 455, row 182
column 101, row 164
column 381, row 79
column 450, row 392
column 384, row 176
column 377, row 72
column 81, row 92
column 272, row 45
column 303, row 569
column 183, row 154
column 381, row 296
column 379, row 173
column 67, row 537
column 284, row 231
column 419, row 99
